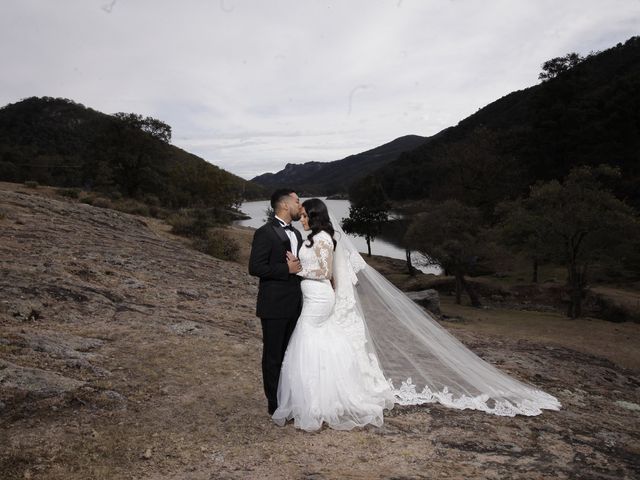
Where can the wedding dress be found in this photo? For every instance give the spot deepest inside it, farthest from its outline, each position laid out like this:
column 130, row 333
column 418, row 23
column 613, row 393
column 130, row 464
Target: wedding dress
column 364, row 346
column 321, row 378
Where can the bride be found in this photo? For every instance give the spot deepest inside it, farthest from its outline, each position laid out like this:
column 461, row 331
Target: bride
column 360, row 346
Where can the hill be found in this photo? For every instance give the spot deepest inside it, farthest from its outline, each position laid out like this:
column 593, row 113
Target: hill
column 58, row 142
column 587, row 115
column 328, row 178
column 125, row 354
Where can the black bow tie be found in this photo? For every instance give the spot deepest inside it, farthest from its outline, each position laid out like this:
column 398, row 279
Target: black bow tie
column 287, row 227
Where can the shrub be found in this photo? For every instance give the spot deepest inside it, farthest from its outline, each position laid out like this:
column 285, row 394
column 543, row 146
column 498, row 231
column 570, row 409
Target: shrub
column 101, row 202
column 194, row 223
column 181, row 224
column 88, row 199
column 151, row 200
column 69, row 192
column 31, row 184
column 132, row 207
column 115, row 195
column 218, row 244
column 158, row 212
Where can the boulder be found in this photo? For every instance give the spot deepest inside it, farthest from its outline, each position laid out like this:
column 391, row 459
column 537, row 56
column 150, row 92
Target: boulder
column 429, row 299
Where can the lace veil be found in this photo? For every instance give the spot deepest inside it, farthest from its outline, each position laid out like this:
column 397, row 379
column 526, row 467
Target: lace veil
column 420, row 361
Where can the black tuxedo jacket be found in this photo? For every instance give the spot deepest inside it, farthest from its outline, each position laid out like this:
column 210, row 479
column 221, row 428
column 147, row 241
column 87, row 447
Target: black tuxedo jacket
column 279, row 294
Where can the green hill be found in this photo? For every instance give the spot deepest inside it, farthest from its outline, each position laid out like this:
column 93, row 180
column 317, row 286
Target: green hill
column 59, row 142
column 586, row 115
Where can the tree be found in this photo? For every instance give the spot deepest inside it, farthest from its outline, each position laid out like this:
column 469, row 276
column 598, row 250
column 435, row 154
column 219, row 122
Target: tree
column 450, row 234
column 366, row 222
column 554, row 67
column 520, row 231
column 575, row 223
column 369, row 211
column 134, row 159
column 156, row 128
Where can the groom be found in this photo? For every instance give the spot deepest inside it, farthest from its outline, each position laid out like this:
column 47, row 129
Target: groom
column 279, row 295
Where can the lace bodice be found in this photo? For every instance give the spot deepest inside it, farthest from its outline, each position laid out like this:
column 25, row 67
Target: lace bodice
column 317, row 260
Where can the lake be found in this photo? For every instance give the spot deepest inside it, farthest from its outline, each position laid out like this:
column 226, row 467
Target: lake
column 340, row 209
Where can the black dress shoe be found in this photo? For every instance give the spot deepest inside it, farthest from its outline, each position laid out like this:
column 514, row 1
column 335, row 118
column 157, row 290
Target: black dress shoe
column 271, row 409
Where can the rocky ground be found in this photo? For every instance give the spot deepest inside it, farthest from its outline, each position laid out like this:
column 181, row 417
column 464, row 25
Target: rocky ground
column 125, row 354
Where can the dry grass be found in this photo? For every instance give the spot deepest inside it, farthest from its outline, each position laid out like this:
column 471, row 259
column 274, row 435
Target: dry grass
column 618, row 342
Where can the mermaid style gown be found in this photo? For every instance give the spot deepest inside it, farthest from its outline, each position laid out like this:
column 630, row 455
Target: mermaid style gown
column 324, row 378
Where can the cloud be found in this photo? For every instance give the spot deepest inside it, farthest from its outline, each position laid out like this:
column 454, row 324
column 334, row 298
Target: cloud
column 253, row 85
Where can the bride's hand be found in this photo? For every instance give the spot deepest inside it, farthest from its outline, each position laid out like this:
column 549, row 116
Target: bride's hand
column 291, row 257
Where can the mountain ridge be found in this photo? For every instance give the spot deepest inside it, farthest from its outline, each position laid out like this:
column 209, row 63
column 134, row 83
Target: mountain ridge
column 328, row 178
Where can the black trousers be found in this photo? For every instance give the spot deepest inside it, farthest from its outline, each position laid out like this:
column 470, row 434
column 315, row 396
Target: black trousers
column 276, row 333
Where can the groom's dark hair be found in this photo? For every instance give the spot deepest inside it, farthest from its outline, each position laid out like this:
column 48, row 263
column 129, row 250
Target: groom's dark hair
column 278, row 195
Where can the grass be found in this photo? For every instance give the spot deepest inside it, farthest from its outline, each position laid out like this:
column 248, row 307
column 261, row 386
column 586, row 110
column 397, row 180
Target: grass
column 617, row 342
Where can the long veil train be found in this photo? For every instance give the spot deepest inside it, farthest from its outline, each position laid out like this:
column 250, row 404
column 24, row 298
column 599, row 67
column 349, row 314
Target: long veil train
column 419, row 359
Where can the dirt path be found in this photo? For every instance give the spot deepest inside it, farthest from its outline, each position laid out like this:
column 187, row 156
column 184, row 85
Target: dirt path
column 124, row 354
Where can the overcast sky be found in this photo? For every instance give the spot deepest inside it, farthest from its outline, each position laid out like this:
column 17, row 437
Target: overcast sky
column 253, row 85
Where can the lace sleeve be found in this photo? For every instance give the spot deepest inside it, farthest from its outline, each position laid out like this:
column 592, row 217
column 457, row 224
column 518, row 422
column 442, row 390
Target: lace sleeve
column 320, row 265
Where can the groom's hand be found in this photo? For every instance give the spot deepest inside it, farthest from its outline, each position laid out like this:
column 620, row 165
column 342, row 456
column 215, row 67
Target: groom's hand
column 293, row 262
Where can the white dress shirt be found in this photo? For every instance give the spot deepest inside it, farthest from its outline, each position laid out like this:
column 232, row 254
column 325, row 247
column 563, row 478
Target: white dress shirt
column 292, row 236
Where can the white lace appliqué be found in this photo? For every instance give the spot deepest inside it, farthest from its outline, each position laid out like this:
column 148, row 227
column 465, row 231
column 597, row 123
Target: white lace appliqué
column 407, row 394
column 346, row 315
column 317, row 260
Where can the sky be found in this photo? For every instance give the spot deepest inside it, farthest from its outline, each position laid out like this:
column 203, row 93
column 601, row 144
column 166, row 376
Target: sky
column 253, row 85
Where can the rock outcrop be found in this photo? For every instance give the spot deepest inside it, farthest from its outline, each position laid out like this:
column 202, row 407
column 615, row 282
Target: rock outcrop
column 429, row 299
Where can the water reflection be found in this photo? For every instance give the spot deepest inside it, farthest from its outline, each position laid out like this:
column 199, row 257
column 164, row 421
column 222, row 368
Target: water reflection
column 386, row 244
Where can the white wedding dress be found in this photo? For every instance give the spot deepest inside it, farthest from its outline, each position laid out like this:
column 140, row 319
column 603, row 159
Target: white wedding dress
column 322, row 377
column 363, row 345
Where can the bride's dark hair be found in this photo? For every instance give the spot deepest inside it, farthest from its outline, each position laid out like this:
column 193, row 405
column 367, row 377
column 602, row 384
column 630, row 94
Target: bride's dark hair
column 318, row 219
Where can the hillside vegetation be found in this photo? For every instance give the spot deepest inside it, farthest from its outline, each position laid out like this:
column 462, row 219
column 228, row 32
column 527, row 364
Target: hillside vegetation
column 588, row 114
column 62, row 143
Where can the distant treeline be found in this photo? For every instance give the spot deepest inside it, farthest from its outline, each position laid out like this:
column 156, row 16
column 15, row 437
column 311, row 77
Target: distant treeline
column 59, row 142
